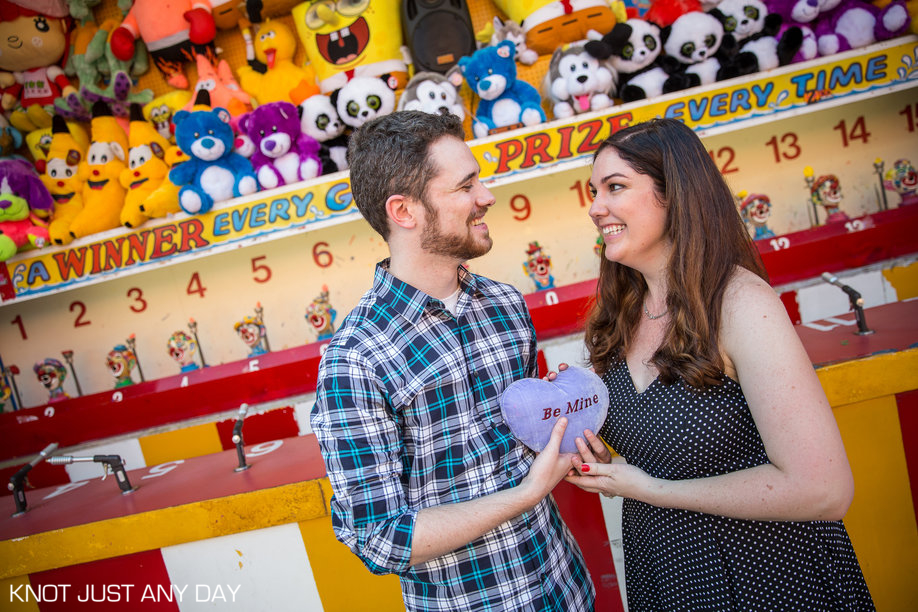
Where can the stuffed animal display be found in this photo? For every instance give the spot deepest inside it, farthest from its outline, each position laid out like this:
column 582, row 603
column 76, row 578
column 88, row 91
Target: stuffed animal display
column 146, row 168
column 634, row 50
column 281, row 80
column 32, row 43
column 24, row 201
column 433, row 93
column 315, row 70
column 63, row 180
column 100, row 170
column 577, row 82
column 214, row 172
column 365, row 98
column 549, row 24
column 505, row 102
column 344, row 40
column 283, row 154
column 319, row 119
column 174, row 31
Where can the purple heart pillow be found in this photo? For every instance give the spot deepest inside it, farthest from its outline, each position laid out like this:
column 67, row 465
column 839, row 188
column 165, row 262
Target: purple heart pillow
column 532, row 406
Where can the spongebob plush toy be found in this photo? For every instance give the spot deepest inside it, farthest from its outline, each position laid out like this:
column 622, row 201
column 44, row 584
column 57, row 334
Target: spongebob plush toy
column 63, row 180
column 146, row 168
column 548, row 24
column 103, row 195
column 348, row 39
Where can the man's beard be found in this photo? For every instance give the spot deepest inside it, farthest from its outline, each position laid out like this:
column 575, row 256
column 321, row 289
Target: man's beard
column 463, row 248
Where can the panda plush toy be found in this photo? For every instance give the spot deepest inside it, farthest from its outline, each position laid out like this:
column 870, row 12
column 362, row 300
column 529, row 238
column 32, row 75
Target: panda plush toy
column 634, row 49
column 698, row 42
column 756, row 33
column 319, row 119
column 365, row 98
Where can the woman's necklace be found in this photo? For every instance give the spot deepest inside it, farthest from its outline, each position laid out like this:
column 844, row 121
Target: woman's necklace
column 653, row 317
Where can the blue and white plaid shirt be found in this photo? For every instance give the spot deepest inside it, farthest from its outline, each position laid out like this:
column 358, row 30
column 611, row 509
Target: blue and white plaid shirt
column 408, row 416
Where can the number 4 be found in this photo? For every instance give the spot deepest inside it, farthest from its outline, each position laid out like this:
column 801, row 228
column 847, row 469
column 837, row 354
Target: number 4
column 195, row 285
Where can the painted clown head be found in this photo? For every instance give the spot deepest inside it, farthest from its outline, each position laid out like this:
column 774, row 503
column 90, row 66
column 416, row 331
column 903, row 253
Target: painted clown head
column 903, row 179
column 538, row 267
column 321, row 316
column 121, row 361
column 182, row 348
column 51, row 374
column 251, row 331
column 826, row 191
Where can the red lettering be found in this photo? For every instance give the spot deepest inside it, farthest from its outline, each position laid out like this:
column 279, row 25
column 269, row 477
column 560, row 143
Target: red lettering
column 137, row 248
column 72, row 260
column 191, row 235
column 564, row 149
column 96, row 257
column 536, row 146
column 509, row 150
column 162, row 241
column 113, row 253
column 617, row 122
column 592, row 140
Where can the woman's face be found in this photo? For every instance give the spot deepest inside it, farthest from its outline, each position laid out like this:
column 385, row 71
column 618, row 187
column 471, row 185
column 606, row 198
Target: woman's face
column 627, row 210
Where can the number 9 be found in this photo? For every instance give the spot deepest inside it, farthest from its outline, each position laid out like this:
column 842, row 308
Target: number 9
column 524, row 211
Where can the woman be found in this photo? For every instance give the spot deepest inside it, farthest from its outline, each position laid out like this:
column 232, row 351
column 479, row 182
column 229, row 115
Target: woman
column 736, row 477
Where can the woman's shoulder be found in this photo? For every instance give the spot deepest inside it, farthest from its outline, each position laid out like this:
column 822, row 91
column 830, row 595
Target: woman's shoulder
column 746, row 291
column 751, row 311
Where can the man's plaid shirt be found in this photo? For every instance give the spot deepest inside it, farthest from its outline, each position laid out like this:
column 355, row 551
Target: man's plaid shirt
column 408, row 416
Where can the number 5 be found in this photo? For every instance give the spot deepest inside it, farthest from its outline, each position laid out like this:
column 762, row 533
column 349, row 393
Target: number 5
column 257, row 267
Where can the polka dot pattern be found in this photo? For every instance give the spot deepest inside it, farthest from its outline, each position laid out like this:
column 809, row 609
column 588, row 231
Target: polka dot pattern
column 681, row 560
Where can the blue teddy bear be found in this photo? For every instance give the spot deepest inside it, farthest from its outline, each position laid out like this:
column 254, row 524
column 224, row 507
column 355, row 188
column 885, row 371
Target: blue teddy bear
column 214, row 172
column 504, row 101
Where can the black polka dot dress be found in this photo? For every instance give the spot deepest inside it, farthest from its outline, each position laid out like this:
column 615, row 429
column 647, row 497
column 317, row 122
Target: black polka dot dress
column 681, row 560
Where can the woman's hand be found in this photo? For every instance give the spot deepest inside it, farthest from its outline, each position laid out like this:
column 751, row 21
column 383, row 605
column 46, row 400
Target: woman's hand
column 552, row 374
column 592, row 450
column 610, row 479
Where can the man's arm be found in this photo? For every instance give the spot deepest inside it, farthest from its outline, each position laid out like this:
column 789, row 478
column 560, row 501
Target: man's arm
column 442, row 529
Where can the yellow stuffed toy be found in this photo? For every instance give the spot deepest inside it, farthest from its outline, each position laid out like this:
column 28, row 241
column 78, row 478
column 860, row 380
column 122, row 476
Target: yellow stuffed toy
column 159, row 111
column 548, row 24
column 348, row 39
column 274, row 46
column 61, row 177
column 103, row 195
column 146, row 168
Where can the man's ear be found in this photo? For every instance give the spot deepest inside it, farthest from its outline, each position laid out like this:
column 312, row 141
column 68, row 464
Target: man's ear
column 401, row 211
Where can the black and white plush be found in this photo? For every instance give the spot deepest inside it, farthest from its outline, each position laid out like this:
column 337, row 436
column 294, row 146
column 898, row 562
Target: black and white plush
column 635, row 50
column 433, row 93
column 756, row 33
column 697, row 41
column 319, row 119
column 577, row 82
column 364, row 98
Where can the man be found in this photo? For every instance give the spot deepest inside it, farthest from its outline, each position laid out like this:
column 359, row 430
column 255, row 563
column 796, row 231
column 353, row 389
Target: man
column 428, row 481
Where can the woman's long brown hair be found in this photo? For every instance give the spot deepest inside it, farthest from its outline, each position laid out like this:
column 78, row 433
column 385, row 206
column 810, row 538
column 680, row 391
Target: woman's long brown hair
column 709, row 240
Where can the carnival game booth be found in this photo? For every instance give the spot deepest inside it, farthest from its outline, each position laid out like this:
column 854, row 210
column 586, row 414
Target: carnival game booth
column 179, row 355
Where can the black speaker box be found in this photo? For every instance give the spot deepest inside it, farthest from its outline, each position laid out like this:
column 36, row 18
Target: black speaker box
column 438, row 32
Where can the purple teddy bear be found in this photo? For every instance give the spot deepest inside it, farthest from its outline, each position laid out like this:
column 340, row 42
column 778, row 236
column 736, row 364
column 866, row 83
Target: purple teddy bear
column 853, row 24
column 282, row 154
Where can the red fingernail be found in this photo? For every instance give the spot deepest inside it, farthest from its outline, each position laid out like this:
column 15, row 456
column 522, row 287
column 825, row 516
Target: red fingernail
column 584, row 468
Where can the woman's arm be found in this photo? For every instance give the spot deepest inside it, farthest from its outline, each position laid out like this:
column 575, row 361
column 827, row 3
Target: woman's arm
column 809, row 477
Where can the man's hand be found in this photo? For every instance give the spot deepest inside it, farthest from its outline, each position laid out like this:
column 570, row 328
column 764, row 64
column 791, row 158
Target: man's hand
column 549, row 467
